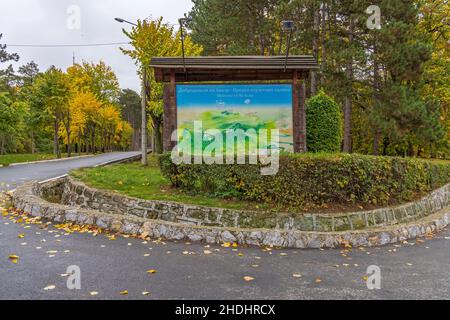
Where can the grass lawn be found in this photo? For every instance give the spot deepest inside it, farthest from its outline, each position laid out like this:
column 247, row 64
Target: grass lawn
column 134, row 180
column 8, row 159
column 27, row 157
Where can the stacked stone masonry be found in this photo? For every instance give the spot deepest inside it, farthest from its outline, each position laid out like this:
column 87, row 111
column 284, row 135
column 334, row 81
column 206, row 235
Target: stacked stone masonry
column 77, row 193
column 83, row 205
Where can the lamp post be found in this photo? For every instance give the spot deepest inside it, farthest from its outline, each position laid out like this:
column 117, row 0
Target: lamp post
column 287, row 26
column 143, row 106
column 182, row 22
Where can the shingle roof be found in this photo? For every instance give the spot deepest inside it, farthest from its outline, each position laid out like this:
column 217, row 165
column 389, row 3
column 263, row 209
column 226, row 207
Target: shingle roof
column 229, row 68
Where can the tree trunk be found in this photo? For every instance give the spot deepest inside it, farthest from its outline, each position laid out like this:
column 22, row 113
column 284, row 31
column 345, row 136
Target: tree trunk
column 376, row 142
column 69, row 145
column 158, row 147
column 2, row 146
column 323, row 40
column 348, row 103
column 56, row 148
column 33, row 144
column 79, row 143
column 376, row 97
column 315, row 48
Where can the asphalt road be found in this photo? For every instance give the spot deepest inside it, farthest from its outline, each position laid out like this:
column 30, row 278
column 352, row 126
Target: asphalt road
column 10, row 177
column 414, row 270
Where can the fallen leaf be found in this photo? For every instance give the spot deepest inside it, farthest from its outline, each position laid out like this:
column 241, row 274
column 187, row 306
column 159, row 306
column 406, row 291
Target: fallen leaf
column 297, row 275
column 123, row 293
column 22, row 235
column 152, row 271
column 248, row 278
column 51, row 287
column 318, row 280
column 207, row 252
column 145, row 293
column 93, row 293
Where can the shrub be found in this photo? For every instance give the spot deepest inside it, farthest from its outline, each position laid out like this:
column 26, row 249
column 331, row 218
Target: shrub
column 323, row 124
column 314, row 179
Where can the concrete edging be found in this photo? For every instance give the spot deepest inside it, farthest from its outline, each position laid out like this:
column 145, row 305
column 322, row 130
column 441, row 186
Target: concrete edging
column 27, row 198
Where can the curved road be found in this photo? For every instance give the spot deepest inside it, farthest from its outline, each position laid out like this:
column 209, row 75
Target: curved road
column 414, row 270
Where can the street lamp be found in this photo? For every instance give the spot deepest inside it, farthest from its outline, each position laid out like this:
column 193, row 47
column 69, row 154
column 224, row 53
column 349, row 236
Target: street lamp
column 143, row 106
column 287, row 26
column 125, row 21
column 182, row 22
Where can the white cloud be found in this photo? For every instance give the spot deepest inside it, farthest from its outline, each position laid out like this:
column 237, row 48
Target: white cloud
column 45, row 22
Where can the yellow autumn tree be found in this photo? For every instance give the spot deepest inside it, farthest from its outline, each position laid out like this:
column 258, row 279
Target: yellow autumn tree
column 154, row 38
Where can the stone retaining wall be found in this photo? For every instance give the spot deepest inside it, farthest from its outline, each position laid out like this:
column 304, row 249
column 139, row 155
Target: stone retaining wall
column 28, row 198
column 77, row 193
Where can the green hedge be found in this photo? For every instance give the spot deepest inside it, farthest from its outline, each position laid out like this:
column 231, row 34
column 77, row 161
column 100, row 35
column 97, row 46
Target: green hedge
column 314, row 179
column 323, row 124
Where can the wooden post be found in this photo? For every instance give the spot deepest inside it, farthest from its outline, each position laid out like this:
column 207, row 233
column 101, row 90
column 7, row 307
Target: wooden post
column 298, row 113
column 302, row 109
column 170, row 113
column 295, row 112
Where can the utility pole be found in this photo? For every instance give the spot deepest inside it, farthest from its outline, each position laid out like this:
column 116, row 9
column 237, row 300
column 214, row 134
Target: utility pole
column 144, row 117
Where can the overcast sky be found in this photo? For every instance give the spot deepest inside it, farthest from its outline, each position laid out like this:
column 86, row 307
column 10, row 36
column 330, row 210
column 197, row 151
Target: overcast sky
column 46, row 22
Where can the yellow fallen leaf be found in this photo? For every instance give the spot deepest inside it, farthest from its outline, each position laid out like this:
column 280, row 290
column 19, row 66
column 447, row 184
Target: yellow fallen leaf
column 20, row 236
column 93, row 293
column 152, row 271
column 365, row 278
column 145, row 293
column 297, row 275
column 13, row 257
column 123, row 293
column 226, row 245
column 51, row 287
column 240, row 254
column 248, row 278
column 235, row 245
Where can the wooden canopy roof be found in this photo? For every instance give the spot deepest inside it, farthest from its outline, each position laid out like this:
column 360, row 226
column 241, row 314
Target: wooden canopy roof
column 231, row 68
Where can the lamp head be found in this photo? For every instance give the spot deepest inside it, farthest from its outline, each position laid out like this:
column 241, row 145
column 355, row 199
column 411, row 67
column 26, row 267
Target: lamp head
column 119, row 20
column 184, row 20
column 287, row 25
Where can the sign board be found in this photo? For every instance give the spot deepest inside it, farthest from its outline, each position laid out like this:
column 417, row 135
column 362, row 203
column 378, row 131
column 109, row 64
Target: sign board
column 237, row 106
